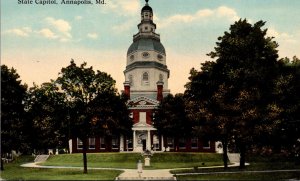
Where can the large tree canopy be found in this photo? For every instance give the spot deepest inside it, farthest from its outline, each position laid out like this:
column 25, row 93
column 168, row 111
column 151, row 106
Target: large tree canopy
column 13, row 93
column 284, row 107
column 94, row 105
column 47, row 111
column 13, row 124
column 235, row 89
column 171, row 119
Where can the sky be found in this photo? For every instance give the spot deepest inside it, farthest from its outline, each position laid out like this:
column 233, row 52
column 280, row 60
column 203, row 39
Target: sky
column 38, row 40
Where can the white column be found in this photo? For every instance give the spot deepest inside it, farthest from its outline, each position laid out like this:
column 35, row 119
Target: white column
column 149, row 141
column 162, row 143
column 121, row 142
column 134, row 141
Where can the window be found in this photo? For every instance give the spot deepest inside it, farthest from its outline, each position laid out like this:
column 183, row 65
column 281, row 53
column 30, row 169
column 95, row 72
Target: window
column 145, row 76
column 129, row 144
column 145, row 54
column 131, row 115
column 131, row 57
column 155, row 142
column 170, row 142
column 206, row 144
column 194, row 143
column 182, row 143
column 102, row 143
column 92, row 143
column 161, row 77
column 79, row 144
column 115, row 143
column 160, row 57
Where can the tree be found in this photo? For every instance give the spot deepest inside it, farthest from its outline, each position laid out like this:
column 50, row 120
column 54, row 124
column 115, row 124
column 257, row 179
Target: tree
column 284, row 107
column 12, row 111
column 239, row 82
column 246, row 61
column 205, row 106
column 91, row 97
column 170, row 117
column 47, row 110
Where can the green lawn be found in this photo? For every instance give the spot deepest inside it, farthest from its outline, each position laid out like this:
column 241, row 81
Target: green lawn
column 243, row 176
column 257, row 163
column 13, row 171
column 129, row 160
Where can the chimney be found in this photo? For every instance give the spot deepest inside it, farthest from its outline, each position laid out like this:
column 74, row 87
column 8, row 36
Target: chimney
column 160, row 86
column 127, row 89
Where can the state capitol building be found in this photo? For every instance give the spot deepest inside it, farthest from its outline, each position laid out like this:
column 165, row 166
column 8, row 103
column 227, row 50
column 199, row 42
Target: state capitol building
column 146, row 84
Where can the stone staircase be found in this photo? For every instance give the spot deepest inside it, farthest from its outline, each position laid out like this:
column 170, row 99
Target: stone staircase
column 41, row 158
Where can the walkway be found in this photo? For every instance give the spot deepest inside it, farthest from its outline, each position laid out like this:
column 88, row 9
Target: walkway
column 128, row 174
column 159, row 174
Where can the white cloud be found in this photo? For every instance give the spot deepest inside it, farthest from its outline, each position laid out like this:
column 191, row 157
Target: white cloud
column 61, row 25
column 47, row 33
column 281, row 36
column 221, row 12
column 288, row 42
column 204, row 13
column 227, row 12
column 56, row 29
column 23, row 32
column 92, row 35
column 272, row 32
column 124, row 7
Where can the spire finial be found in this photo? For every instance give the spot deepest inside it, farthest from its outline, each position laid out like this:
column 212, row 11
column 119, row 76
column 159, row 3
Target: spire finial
column 147, row 2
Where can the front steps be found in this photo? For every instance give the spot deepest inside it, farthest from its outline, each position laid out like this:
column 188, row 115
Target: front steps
column 41, row 158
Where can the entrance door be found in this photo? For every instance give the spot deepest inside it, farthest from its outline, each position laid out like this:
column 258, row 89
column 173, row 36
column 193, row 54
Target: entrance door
column 144, row 145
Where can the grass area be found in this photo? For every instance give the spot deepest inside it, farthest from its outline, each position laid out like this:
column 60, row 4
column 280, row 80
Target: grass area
column 129, row 160
column 101, row 160
column 259, row 166
column 257, row 163
column 243, row 176
column 184, row 160
column 13, row 171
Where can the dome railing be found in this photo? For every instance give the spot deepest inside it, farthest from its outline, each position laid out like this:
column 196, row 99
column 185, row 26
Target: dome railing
column 146, row 35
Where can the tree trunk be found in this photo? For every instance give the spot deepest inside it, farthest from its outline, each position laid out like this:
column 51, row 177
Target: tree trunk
column 84, row 141
column 2, row 164
column 242, row 155
column 225, row 156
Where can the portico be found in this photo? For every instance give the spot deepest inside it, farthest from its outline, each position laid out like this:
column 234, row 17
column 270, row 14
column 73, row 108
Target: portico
column 142, row 137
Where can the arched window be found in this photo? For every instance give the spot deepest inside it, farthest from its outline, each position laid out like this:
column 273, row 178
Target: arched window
column 145, row 76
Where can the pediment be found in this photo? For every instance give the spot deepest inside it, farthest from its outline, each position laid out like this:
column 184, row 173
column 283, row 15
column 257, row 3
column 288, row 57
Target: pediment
column 142, row 102
column 142, row 126
column 139, row 124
